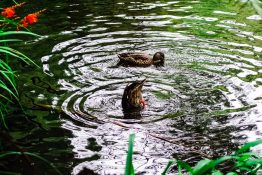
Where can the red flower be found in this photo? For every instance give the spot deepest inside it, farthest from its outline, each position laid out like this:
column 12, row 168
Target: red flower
column 31, row 18
column 25, row 24
column 8, row 12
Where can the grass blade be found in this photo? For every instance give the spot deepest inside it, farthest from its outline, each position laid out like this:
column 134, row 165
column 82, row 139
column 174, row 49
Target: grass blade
column 185, row 166
column 203, row 167
column 3, row 86
column 10, row 81
column 2, row 116
column 247, row 146
column 10, row 40
column 17, row 54
column 129, row 170
column 167, row 169
column 17, row 33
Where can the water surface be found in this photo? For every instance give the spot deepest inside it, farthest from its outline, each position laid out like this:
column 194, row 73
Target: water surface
column 202, row 104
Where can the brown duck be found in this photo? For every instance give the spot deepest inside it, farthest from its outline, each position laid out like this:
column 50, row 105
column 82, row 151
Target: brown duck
column 132, row 99
column 141, row 59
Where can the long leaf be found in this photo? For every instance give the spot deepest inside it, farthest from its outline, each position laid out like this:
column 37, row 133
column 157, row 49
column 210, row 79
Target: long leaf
column 167, row 169
column 222, row 159
column 203, row 167
column 8, row 69
column 231, row 173
column 17, row 33
column 10, row 81
column 247, row 146
column 185, row 166
column 10, row 40
column 7, row 99
column 3, row 86
column 129, row 170
column 19, row 54
column 2, row 117
column 13, row 54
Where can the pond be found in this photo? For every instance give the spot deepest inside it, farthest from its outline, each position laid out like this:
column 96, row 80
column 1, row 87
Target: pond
column 203, row 103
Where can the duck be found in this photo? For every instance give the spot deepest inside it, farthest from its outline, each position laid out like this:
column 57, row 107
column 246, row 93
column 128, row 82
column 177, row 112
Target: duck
column 132, row 99
column 140, row 59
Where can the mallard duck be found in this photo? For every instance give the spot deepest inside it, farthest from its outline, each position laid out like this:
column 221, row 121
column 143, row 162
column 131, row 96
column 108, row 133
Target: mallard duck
column 132, row 99
column 141, row 59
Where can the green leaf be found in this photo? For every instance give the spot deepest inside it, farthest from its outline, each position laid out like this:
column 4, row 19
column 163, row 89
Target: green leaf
column 15, row 53
column 253, row 162
column 129, row 170
column 203, row 167
column 222, row 159
column 247, row 146
column 10, row 81
column 3, row 118
column 216, row 172
column 167, row 169
column 185, row 166
column 10, row 40
column 231, row 173
column 179, row 170
column 3, row 86
column 6, row 98
column 17, row 33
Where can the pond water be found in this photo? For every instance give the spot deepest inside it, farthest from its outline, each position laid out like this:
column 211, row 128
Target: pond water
column 203, row 103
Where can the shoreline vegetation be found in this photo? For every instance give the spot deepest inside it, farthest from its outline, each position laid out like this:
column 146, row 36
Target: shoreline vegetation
column 242, row 161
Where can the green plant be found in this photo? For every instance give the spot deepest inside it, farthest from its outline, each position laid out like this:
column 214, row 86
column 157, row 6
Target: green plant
column 244, row 161
column 129, row 165
column 8, row 89
column 12, row 153
column 8, row 21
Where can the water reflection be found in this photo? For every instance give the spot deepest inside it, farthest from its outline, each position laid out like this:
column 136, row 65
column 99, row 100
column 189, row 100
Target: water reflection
column 206, row 98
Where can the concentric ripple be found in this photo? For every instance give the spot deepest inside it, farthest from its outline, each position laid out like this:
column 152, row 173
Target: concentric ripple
column 207, row 98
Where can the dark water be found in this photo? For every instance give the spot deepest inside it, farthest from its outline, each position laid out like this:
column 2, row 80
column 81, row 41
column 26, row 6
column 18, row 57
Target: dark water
column 203, row 103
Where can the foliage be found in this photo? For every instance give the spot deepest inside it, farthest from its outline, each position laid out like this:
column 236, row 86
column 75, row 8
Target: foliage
column 8, row 90
column 244, row 161
column 8, row 21
column 11, row 153
column 129, row 165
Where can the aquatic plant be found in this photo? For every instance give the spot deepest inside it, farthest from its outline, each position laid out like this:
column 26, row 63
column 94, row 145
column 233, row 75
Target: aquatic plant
column 243, row 161
column 9, row 21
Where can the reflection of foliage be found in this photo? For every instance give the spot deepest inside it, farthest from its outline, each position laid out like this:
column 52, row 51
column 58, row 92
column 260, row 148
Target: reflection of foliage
column 242, row 161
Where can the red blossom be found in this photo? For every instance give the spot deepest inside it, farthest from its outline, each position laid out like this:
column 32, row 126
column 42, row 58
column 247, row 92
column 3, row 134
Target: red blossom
column 8, row 12
column 31, row 18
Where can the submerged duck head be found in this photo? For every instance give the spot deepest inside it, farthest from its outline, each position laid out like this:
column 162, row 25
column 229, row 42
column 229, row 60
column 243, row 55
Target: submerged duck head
column 132, row 98
column 159, row 59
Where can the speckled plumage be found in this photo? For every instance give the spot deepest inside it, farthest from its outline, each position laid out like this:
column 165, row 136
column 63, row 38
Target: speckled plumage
column 141, row 59
column 132, row 96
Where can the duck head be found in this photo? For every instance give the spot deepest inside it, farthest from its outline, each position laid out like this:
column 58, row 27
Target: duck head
column 132, row 99
column 159, row 59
